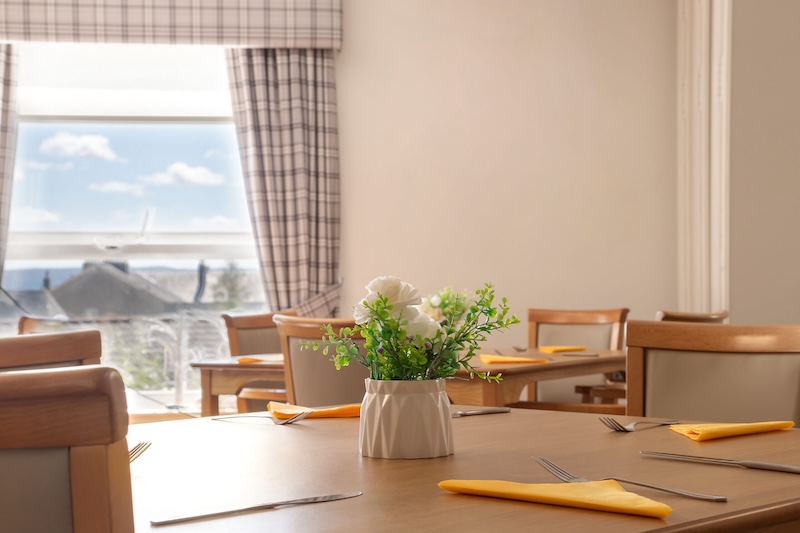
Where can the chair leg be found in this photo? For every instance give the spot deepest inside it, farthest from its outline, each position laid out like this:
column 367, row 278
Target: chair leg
column 241, row 405
column 586, row 393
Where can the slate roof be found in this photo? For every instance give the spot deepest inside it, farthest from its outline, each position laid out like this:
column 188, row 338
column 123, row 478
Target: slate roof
column 103, row 289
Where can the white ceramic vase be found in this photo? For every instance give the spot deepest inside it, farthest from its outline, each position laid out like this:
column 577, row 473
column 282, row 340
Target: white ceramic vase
column 405, row 420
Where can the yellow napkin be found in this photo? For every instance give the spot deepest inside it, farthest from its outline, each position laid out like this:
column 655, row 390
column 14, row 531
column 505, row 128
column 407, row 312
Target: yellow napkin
column 245, row 360
column 488, row 359
column 718, row 431
column 556, row 349
column 283, row 411
column 598, row 495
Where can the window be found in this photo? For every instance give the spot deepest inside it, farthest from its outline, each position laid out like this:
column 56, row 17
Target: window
column 128, row 208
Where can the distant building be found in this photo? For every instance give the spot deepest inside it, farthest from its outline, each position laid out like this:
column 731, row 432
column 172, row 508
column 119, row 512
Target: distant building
column 104, row 290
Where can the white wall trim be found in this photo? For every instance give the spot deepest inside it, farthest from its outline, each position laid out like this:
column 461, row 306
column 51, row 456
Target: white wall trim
column 703, row 153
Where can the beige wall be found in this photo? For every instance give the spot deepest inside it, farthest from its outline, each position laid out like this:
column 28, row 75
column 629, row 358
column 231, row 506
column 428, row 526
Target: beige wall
column 526, row 143
column 765, row 162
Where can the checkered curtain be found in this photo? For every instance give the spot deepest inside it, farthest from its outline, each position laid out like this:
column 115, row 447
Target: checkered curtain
column 250, row 23
column 8, row 137
column 284, row 104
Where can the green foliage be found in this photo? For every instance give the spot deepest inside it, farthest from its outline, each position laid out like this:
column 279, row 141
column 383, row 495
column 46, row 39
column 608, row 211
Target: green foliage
column 230, row 289
column 393, row 354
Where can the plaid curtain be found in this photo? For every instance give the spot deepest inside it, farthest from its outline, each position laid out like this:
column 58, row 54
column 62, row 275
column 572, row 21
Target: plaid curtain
column 284, row 105
column 248, row 23
column 8, row 138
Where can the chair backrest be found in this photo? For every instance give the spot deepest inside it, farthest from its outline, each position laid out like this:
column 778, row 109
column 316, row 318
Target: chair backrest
column 44, row 350
column 717, row 317
column 714, row 372
column 311, row 377
column 253, row 334
column 596, row 329
column 63, row 451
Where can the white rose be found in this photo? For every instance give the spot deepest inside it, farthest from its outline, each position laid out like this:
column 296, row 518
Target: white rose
column 420, row 324
column 397, row 293
column 360, row 313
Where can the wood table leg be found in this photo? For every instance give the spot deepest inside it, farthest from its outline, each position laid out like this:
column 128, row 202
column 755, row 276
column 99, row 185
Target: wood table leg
column 209, row 403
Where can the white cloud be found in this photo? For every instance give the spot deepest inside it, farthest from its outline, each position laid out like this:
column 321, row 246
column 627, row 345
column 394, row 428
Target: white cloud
column 117, row 187
column 31, row 214
column 21, row 167
column 182, row 173
column 66, row 144
column 217, row 221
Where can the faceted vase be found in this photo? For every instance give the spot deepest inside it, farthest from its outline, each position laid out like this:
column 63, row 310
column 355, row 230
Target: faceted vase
column 405, row 420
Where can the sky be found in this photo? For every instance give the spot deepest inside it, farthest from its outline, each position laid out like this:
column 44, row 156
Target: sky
column 84, row 176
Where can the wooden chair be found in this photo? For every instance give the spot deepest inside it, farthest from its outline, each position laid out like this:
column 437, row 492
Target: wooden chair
column 63, row 451
column 718, row 317
column 40, row 350
column 714, row 372
column 613, row 392
column 596, row 329
column 251, row 335
column 311, row 377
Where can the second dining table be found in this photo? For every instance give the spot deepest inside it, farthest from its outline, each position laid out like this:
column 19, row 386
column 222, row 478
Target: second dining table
column 227, row 376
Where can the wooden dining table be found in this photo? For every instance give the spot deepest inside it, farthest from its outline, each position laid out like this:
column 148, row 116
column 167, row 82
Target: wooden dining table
column 227, row 376
column 204, row 464
column 515, row 376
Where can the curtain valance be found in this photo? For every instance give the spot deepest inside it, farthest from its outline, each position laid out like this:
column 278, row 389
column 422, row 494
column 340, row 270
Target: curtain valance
column 232, row 23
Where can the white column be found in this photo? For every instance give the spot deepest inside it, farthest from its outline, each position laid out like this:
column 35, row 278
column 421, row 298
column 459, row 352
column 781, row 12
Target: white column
column 703, row 153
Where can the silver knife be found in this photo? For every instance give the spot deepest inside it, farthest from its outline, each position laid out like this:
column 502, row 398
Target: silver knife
column 481, row 411
column 778, row 467
column 313, row 499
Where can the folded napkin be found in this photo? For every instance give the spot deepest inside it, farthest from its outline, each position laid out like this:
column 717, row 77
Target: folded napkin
column 718, row 431
column 556, row 349
column 245, row 360
column 488, row 359
column 283, row 411
column 598, row 495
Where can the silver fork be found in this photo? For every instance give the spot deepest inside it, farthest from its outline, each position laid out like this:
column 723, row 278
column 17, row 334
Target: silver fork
column 627, row 428
column 276, row 421
column 563, row 475
column 292, row 420
column 137, row 450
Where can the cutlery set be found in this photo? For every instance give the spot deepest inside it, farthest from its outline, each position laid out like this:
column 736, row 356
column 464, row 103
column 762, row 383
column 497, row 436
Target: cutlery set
column 563, row 475
column 481, row 411
column 276, row 421
column 137, row 450
column 778, row 467
column 614, row 425
column 260, row 507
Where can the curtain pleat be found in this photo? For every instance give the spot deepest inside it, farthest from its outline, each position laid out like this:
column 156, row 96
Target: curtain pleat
column 284, row 105
column 8, row 140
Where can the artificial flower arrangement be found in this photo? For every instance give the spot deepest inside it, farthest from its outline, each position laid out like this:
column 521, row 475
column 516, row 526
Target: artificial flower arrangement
column 408, row 339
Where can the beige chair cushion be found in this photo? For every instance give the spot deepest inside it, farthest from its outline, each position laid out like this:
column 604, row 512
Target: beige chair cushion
column 722, row 387
column 593, row 336
column 35, row 490
column 259, row 340
column 318, row 383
